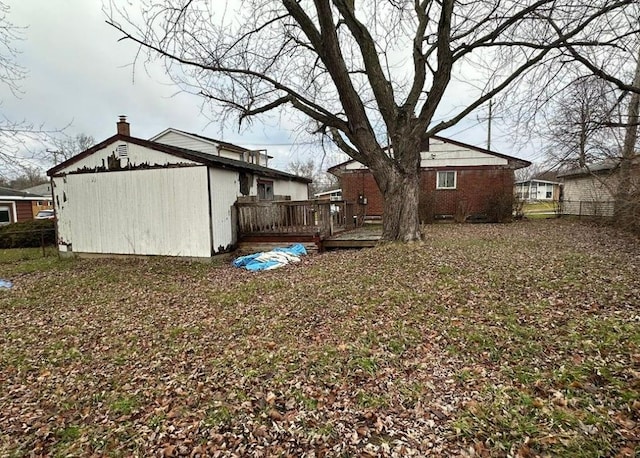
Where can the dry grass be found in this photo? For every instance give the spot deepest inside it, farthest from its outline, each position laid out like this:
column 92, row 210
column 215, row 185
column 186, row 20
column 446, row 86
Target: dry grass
column 518, row 339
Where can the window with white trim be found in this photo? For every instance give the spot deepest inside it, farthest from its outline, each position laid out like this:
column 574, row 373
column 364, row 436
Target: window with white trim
column 5, row 215
column 446, row 180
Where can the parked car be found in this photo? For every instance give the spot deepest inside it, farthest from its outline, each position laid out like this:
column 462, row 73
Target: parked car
column 46, row 214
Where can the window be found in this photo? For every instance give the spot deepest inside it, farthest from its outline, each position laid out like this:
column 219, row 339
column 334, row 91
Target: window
column 265, row 190
column 549, row 192
column 5, row 216
column 446, row 180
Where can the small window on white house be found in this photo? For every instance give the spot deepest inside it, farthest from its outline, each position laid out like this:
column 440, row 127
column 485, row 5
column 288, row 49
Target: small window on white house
column 265, row 190
column 446, row 180
column 5, row 216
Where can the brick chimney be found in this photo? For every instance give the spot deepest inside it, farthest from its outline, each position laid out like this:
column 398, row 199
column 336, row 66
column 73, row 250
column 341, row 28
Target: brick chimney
column 123, row 126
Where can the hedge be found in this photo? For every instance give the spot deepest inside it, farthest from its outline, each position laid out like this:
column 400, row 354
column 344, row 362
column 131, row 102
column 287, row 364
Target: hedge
column 28, row 234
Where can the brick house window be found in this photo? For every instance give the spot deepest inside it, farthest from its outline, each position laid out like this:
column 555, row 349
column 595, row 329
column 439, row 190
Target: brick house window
column 265, row 190
column 5, row 216
column 446, row 180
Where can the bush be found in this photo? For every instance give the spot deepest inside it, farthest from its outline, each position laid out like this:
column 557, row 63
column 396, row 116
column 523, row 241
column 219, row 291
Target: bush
column 499, row 208
column 28, row 234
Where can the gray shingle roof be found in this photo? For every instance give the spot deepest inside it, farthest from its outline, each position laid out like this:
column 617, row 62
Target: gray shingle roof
column 8, row 192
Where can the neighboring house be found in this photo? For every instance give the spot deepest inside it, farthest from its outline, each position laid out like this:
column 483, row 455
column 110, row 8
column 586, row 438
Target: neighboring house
column 590, row 190
column 46, row 203
column 333, row 194
column 127, row 195
column 16, row 206
column 181, row 139
column 458, row 181
column 537, row 190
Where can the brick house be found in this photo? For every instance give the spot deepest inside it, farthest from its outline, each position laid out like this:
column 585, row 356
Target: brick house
column 459, row 181
column 16, row 206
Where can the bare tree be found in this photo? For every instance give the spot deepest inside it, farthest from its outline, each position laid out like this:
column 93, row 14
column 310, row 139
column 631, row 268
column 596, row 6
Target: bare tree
column 322, row 181
column 535, row 170
column 66, row 147
column 368, row 74
column 20, row 140
column 583, row 125
column 30, row 176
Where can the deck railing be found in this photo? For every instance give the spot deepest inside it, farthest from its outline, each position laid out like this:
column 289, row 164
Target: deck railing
column 308, row 217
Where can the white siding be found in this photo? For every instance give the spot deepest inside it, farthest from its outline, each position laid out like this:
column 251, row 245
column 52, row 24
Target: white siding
column 443, row 154
column 231, row 154
column 181, row 140
column 589, row 196
column 295, row 189
column 136, row 155
column 150, row 212
column 224, row 189
column 536, row 190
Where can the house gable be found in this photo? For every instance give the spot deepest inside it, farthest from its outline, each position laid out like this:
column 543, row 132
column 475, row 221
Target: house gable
column 145, row 154
column 195, row 142
column 119, row 154
column 180, row 139
column 444, row 152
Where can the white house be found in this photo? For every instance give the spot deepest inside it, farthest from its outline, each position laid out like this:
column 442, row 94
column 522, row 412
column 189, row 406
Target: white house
column 333, row 194
column 131, row 196
column 187, row 140
column 537, row 190
column 590, row 190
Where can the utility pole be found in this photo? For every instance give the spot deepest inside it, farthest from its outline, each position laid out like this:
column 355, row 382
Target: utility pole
column 489, row 118
column 489, row 129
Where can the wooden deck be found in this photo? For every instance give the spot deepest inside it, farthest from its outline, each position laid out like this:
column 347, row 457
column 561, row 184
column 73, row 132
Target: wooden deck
column 362, row 237
column 320, row 224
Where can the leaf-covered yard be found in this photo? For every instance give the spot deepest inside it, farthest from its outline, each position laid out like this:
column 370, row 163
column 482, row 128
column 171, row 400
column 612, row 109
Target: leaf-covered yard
column 486, row 340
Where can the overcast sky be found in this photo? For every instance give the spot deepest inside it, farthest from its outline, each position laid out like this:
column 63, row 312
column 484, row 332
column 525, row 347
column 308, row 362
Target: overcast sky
column 79, row 74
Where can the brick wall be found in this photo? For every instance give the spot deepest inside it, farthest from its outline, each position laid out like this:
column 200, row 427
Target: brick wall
column 23, row 210
column 477, row 189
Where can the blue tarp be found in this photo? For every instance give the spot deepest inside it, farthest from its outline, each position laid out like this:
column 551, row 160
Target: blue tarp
column 5, row 284
column 273, row 259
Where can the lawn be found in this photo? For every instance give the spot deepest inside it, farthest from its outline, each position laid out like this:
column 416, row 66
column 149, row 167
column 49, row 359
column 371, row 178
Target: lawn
column 485, row 340
column 540, row 210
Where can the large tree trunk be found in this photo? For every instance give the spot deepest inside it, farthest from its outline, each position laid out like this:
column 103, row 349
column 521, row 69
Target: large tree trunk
column 624, row 206
column 400, row 218
column 399, row 182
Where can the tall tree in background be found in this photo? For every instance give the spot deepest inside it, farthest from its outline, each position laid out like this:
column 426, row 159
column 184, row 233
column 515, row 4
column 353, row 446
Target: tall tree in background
column 370, row 74
column 582, row 128
column 30, row 176
column 322, row 180
column 66, row 147
column 19, row 139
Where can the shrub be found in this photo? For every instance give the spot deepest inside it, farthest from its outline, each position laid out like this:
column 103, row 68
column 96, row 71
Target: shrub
column 28, row 234
column 499, row 208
